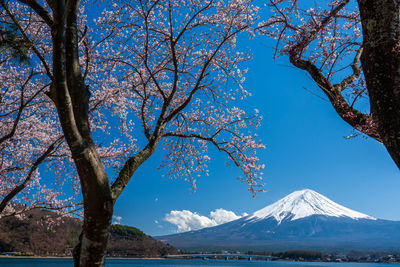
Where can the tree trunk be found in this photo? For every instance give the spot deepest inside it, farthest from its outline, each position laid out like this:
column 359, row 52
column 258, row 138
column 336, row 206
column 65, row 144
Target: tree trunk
column 71, row 98
column 98, row 209
column 91, row 249
column 381, row 66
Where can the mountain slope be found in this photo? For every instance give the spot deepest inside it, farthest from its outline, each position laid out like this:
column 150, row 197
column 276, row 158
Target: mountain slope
column 304, row 203
column 33, row 235
column 302, row 220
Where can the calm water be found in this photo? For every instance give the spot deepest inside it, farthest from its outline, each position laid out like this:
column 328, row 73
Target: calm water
column 6, row 262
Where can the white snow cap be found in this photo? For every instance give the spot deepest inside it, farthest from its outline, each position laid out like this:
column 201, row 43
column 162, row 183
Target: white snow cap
column 304, row 203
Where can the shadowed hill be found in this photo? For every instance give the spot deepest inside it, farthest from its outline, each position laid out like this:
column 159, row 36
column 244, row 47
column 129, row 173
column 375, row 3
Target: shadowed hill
column 33, row 235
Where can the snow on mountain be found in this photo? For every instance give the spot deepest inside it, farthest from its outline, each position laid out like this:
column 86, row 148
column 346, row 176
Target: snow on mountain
column 302, row 220
column 304, row 203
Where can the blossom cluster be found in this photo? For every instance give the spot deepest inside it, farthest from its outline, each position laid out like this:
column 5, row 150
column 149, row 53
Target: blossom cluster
column 159, row 71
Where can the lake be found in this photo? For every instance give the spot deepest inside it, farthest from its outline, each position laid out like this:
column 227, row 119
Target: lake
column 40, row 262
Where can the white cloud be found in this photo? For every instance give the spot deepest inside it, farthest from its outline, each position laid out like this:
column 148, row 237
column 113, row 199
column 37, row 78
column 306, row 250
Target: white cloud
column 117, row 219
column 186, row 220
column 220, row 216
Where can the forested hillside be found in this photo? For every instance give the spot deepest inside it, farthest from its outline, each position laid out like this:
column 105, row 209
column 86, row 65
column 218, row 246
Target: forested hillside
column 34, row 235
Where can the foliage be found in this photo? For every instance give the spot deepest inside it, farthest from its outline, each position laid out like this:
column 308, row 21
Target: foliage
column 11, row 41
column 129, row 231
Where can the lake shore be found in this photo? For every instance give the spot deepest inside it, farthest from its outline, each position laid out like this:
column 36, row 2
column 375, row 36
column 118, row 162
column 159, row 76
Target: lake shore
column 254, row 258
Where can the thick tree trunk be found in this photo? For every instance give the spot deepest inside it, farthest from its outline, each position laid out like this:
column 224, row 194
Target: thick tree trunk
column 381, row 66
column 98, row 209
column 71, row 98
column 91, row 249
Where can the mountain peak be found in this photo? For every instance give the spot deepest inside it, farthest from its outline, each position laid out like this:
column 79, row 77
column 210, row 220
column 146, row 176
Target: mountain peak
column 304, row 203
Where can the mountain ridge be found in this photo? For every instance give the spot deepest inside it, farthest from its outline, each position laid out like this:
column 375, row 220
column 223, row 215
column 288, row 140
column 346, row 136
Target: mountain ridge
column 304, row 203
column 304, row 219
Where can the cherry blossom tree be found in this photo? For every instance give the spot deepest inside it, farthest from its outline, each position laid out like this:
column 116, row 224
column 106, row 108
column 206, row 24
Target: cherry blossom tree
column 351, row 50
column 29, row 138
column 166, row 73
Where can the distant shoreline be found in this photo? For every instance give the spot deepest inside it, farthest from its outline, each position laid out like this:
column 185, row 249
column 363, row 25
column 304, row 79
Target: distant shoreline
column 165, row 258
column 70, row 257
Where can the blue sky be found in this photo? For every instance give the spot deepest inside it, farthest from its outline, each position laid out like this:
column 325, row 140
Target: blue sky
column 306, row 148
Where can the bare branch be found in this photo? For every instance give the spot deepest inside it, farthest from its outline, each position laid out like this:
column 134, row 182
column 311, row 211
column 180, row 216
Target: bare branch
column 41, row 11
column 356, row 72
column 28, row 178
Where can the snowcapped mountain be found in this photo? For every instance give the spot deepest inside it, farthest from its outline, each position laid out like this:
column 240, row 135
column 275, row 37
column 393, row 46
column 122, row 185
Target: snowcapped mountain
column 303, row 219
column 304, row 203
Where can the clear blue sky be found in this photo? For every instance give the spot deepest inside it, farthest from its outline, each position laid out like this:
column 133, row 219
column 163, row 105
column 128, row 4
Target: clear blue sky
column 306, row 148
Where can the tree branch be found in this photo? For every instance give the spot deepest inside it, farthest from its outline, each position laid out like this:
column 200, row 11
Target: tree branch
column 34, row 48
column 209, row 139
column 130, row 168
column 358, row 120
column 202, row 75
column 28, row 178
column 356, row 72
column 39, row 10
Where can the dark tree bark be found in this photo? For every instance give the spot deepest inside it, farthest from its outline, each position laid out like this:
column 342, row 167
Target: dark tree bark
column 381, row 65
column 71, row 97
column 379, row 54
